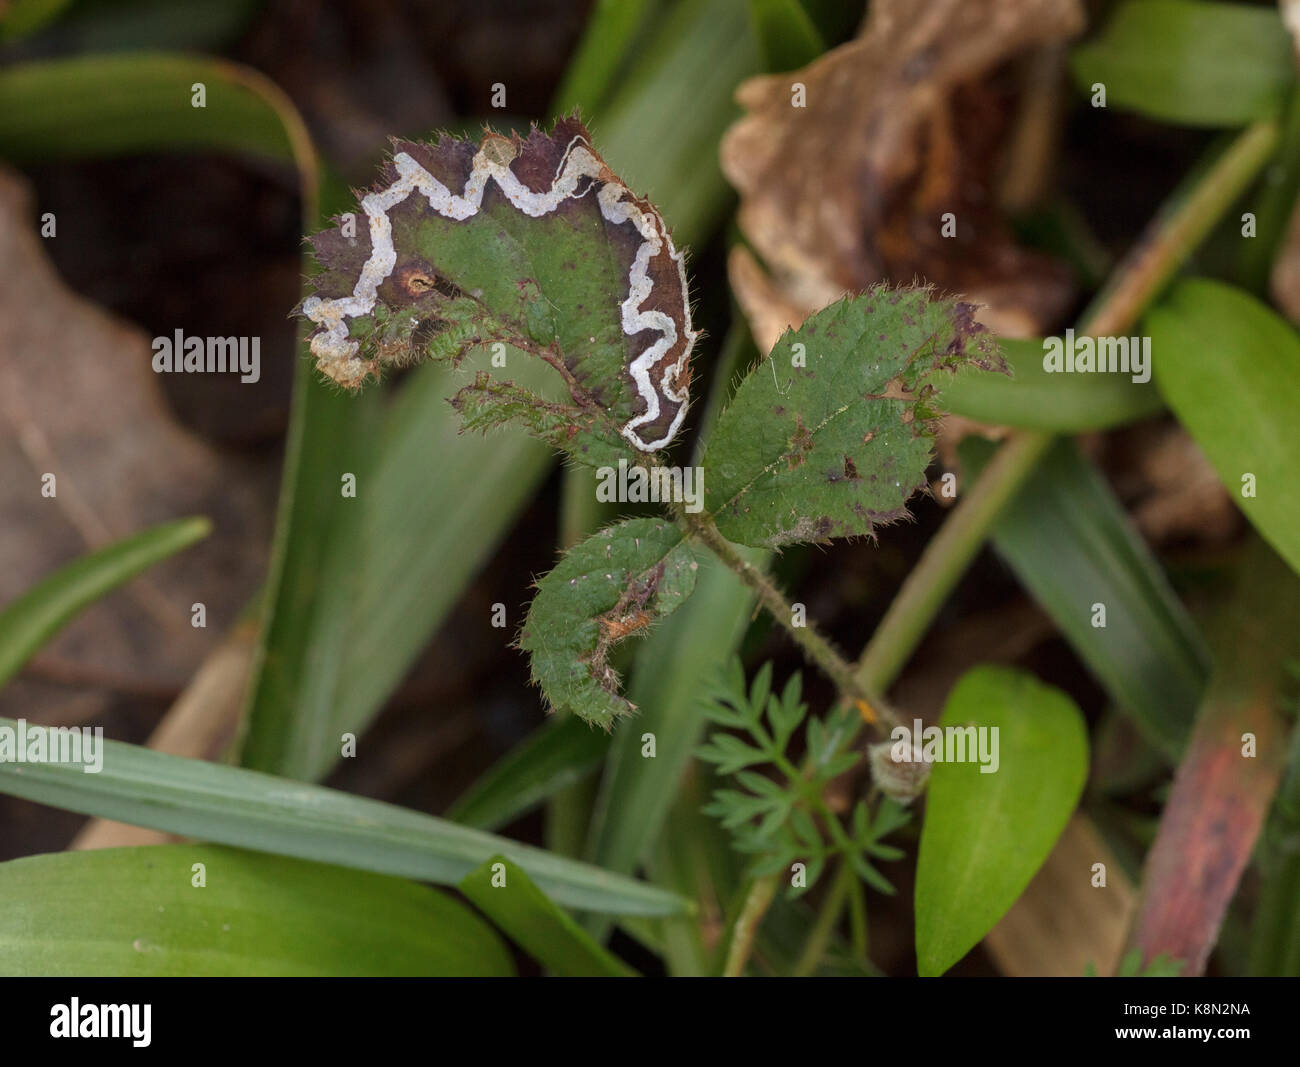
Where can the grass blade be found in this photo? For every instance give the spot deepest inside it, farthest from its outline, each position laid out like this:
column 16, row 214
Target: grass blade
column 37, row 615
column 1071, row 545
column 507, row 896
column 232, row 806
column 558, row 754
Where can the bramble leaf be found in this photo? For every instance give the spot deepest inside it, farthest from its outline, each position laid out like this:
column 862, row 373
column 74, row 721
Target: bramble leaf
column 531, row 243
column 612, row 585
column 832, row 433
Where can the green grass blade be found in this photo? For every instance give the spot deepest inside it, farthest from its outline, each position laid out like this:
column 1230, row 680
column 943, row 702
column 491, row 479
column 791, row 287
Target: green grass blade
column 1072, row 546
column 612, row 28
column 507, row 896
column 660, row 130
column 37, row 615
column 137, row 912
column 558, row 754
column 141, row 102
column 786, row 35
column 232, row 806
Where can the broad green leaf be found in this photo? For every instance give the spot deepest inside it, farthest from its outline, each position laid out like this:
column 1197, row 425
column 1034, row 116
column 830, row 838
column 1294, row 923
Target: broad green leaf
column 613, row 585
column 553, row 757
column 1071, row 545
column 1035, row 399
column 1229, row 367
column 132, row 912
column 831, row 434
column 232, row 806
column 506, row 895
column 30, row 621
column 785, row 33
column 1190, row 62
column 530, row 243
column 986, row 834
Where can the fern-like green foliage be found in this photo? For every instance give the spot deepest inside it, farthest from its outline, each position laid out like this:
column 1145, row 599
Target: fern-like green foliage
column 780, row 817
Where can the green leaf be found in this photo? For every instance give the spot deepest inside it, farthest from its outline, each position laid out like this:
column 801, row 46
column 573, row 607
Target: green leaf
column 141, row 101
column 660, row 130
column 22, row 17
column 730, row 753
column 613, row 584
column 785, row 33
column 1188, row 62
column 30, row 621
column 831, row 435
column 1229, row 368
column 558, row 754
column 1072, row 545
column 514, row 903
column 530, row 243
column 233, row 806
column 612, row 28
column 1033, row 399
column 985, row 835
column 135, row 912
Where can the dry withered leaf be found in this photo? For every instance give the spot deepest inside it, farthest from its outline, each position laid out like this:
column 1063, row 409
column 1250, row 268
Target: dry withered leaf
column 900, row 126
column 79, row 400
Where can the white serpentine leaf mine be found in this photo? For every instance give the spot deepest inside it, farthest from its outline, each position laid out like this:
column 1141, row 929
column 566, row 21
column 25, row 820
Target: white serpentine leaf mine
column 337, row 353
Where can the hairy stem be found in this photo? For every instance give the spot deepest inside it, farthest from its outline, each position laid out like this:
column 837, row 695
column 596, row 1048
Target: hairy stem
column 813, row 643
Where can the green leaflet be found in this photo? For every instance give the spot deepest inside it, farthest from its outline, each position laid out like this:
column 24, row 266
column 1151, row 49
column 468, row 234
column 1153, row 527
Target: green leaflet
column 831, row 435
column 986, row 834
column 138, row 912
column 610, row 586
column 1229, row 367
column 529, row 243
column 1190, row 62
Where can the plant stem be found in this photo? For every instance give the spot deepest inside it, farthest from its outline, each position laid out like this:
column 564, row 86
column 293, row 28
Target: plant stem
column 759, row 897
column 1177, row 229
column 820, row 934
column 814, row 644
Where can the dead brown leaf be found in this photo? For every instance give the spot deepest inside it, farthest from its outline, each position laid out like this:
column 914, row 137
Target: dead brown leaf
column 901, row 126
